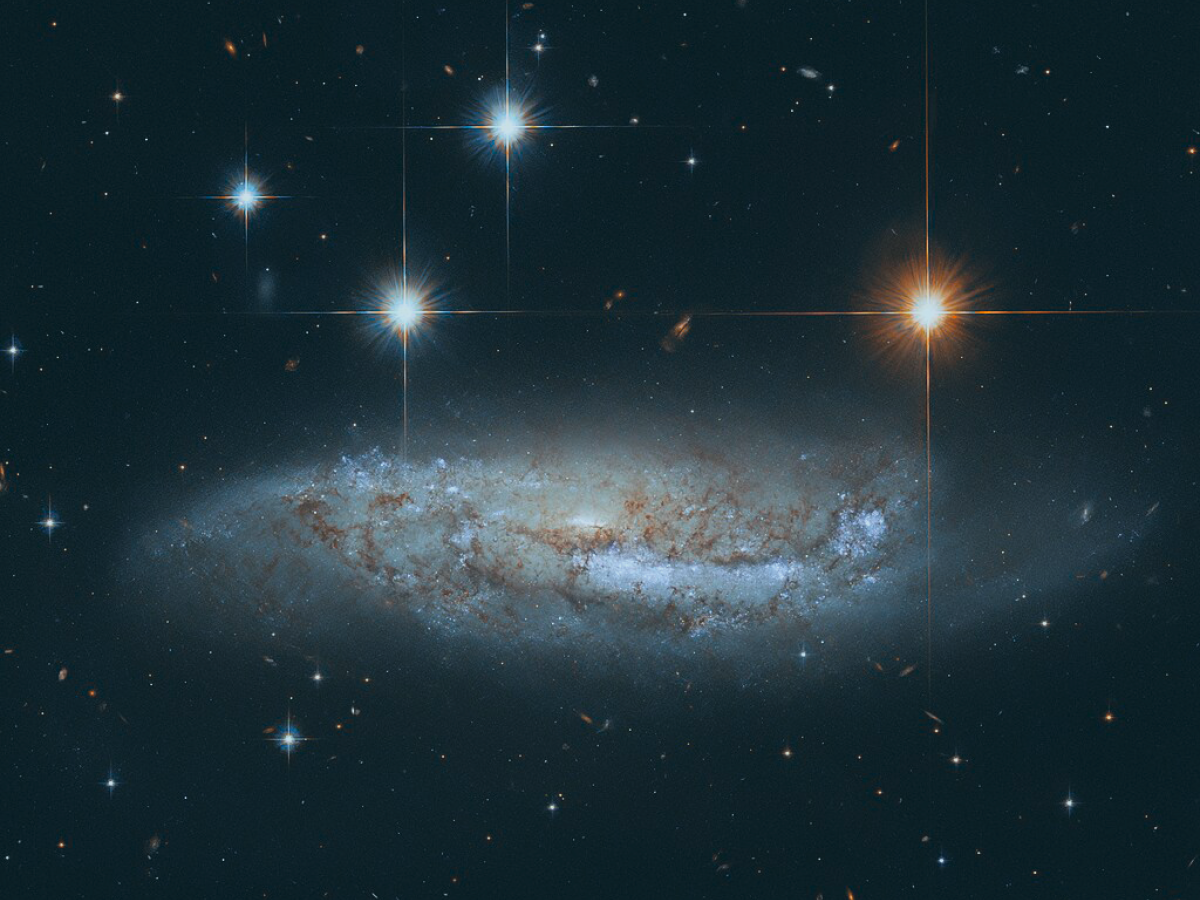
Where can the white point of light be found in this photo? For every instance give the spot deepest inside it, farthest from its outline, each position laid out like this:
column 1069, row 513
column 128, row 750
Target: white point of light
column 317, row 676
column 928, row 310
column 247, row 197
column 289, row 740
column 507, row 126
column 404, row 310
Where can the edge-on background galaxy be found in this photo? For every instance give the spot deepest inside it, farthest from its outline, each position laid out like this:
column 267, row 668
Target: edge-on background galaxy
column 738, row 557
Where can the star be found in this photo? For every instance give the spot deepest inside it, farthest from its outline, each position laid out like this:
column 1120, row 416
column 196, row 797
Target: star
column 404, row 309
column 289, row 737
column 927, row 310
column 49, row 522
column 247, row 197
column 13, row 350
column 507, row 125
column 289, row 740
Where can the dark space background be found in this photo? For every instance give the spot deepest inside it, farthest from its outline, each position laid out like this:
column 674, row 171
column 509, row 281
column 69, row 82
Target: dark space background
column 153, row 368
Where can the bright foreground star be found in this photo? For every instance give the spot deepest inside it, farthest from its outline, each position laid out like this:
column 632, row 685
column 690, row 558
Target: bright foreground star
column 928, row 311
column 404, row 310
column 247, row 197
column 507, row 126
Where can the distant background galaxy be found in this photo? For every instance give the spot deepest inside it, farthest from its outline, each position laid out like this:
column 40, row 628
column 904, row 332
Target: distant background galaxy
column 641, row 606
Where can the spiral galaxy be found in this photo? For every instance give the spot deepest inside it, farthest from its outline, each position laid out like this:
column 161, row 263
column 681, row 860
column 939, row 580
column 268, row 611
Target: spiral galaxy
column 749, row 554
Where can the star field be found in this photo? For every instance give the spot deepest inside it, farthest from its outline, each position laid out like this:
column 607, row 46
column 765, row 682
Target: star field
column 531, row 449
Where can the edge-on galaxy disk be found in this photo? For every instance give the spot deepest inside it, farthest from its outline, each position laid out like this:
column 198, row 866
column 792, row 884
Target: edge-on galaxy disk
column 640, row 552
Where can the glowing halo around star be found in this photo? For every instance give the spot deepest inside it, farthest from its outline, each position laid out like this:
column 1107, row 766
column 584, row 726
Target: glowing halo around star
column 507, row 125
column 399, row 309
column 928, row 310
column 289, row 738
column 247, row 197
column 915, row 303
column 404, row 309
column 502, row 124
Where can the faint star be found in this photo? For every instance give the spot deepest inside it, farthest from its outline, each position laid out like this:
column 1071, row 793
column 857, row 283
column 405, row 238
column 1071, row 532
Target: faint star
column 49, row 522
column 13, row 350
column 289, row 738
